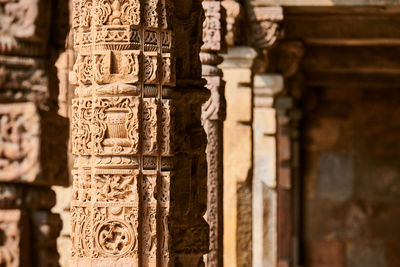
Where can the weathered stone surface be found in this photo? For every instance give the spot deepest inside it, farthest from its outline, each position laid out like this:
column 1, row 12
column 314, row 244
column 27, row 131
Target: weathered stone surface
column 350, row 169
column 237, row 153
column 327, row 254
column 62, row 207
column 234, row 14
column 335, row 176
column 269, row 233
column 366, row 254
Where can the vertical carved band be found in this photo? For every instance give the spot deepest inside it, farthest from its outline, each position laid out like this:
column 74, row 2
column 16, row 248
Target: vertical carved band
column 121, row 132
column 212, row 117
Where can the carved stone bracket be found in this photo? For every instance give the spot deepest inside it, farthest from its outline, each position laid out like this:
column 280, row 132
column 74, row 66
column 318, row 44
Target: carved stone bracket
column 234, row 13
column 265, row 25
column 265, row 30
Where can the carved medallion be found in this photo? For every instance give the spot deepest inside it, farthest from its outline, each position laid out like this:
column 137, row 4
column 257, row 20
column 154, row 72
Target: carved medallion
column 114, row 238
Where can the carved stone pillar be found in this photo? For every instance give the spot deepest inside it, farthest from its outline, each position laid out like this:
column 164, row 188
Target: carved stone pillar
column 33, row 137
column 213, row 114
column 138, row 181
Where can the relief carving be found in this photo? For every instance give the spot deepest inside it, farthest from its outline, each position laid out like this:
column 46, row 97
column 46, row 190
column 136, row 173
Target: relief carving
column 12, row 230
column 234, row 13
column 120, row 128
column 19, row 142
column 212, row 119
column 33, row 138
column 23, row 21
column 114, row 238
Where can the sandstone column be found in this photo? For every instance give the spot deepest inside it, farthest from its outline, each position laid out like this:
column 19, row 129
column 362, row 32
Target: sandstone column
column 213, row 115
column 33, row 137
column 138, row 181
column 265, row 222
column 237, row 156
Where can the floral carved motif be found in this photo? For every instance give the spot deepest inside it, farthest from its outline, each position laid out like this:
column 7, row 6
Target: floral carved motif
column 212, row 26
column 116, row 187
column 121, row 135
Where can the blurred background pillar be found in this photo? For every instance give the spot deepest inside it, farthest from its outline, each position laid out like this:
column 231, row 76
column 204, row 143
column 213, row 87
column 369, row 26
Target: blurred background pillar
column 33, row 138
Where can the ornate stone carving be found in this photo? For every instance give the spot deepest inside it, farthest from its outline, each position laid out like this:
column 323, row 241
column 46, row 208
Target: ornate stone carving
column 33, row 138
column 23, row 148
column 265, row 24
column 22, row 22
column 121, row 133
column 19, row 142
column 12, row 229
column 212, row 116
column 212, row 26
column 265, row 30
column 23, row 79
column 234, row 13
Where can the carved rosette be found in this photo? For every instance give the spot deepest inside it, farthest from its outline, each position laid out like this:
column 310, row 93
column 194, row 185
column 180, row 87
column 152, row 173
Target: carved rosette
column 121, row 133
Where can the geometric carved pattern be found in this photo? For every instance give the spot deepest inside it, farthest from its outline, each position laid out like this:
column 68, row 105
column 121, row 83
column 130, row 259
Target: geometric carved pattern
column 121, row 133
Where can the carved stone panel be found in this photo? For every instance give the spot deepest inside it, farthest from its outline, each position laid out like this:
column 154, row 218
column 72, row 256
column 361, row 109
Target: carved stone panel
column 24, row 148
column 14, row 230
column 20, row 142
column 24, row 27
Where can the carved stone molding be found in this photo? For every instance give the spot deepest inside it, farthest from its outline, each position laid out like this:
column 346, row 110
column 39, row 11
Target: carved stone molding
column 121, row 133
